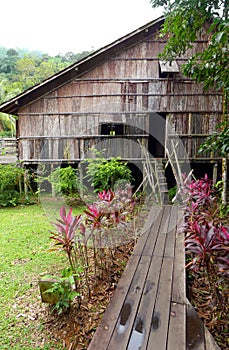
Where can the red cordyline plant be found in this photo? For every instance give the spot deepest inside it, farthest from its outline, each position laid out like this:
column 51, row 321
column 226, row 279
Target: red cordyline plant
column 65, row 237
column 109, row 220
column 206, row 237
column 113, row 209
column 75, row 235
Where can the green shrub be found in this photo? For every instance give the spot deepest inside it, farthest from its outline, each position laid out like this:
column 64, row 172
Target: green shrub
column 65, row 180
column 103, row 174
column 11, row 179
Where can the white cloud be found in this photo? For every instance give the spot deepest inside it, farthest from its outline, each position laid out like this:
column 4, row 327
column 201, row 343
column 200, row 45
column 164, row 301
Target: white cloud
column 60, row 26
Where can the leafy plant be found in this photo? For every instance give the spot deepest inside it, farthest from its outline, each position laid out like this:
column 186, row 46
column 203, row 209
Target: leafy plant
column 103, row 174
column 112, row 210
column 172, row 193
column 218, row 142
column 206, row 236
column 88, row 240
column 65, row 237
column 9, row 198
column 11, row 179
column 64, row 292
column 184, row 22
column 65, row 180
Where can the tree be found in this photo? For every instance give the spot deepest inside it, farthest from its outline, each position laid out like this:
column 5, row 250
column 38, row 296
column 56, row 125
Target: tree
column 7, row 121
column 8, row 62
column 184, row 22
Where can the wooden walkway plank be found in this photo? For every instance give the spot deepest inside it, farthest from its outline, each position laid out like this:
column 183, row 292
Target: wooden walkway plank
column 109, row 320
column 126, row 319
column 210, row 343
column 155, row 215
column 149, row 309
column 177, row 327
column 147, row 305
column 177, row 322
column 179, row 274
column 159, row 226
column 159, row 323
column 121, row 339
column 156, row 245
column 194, row 330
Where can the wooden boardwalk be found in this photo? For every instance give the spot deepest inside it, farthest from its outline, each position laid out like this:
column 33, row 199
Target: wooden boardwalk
column 149, row 309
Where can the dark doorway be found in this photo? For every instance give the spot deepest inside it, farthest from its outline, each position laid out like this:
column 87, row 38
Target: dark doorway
column 157, row 122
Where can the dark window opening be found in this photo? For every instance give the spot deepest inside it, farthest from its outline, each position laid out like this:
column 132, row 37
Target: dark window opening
column 112, row 129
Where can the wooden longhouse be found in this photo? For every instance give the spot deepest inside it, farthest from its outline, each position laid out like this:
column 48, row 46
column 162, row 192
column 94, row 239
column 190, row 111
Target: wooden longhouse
column 120, row 98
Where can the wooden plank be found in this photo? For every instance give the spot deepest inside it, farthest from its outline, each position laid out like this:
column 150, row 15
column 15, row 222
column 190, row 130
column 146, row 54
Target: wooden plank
column 177, row 327
column 103, row 333
column 210, row 343
column 127, row 316
column 194, row 330
column 170, row 243
column 154, row 215
column 145, row 312
column 161, row 312
column 179, row 273
column 171, row 232
column 152, row 238
column 165, row 219
column 144, row 316
column 161, row 238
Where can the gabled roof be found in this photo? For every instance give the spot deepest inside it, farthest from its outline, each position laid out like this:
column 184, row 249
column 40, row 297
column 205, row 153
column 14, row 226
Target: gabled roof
column 80, row 67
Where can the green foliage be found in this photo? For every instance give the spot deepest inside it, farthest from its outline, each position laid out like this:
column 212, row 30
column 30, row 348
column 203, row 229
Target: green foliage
column 8, row 125
column 218, row 142
column 206, row 236
column 64, row 292
column 10, row 178
column 184, row 22
column 21, row 69
column 103, row 174
column 12, row 184
column 172, row 193
column 210, row 67
column 65, row 180
column 86, row 238
column 9, row 198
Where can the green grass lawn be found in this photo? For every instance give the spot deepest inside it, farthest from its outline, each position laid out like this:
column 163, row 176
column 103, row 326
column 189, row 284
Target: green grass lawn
column 24, row 256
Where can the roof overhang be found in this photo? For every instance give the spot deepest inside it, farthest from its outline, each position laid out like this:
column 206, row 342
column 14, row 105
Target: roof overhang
column 77, row 69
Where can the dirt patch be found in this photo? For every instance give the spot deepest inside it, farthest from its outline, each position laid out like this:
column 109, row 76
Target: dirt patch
column 214, row 317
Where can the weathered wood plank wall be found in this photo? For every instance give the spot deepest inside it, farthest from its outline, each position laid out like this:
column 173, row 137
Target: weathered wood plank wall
column 124, row 89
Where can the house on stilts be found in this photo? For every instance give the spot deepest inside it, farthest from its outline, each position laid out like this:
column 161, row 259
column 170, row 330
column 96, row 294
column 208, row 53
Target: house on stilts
column 123, row 99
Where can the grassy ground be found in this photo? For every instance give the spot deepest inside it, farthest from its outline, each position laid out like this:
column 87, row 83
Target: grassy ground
column 24, row 256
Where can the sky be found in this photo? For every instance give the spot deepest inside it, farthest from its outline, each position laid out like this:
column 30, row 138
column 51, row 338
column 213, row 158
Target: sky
column 57, row 26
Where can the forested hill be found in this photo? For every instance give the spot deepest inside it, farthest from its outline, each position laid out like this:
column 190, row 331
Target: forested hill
column 21, row 69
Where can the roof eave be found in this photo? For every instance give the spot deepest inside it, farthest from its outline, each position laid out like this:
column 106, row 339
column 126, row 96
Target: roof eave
column 80, row 67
